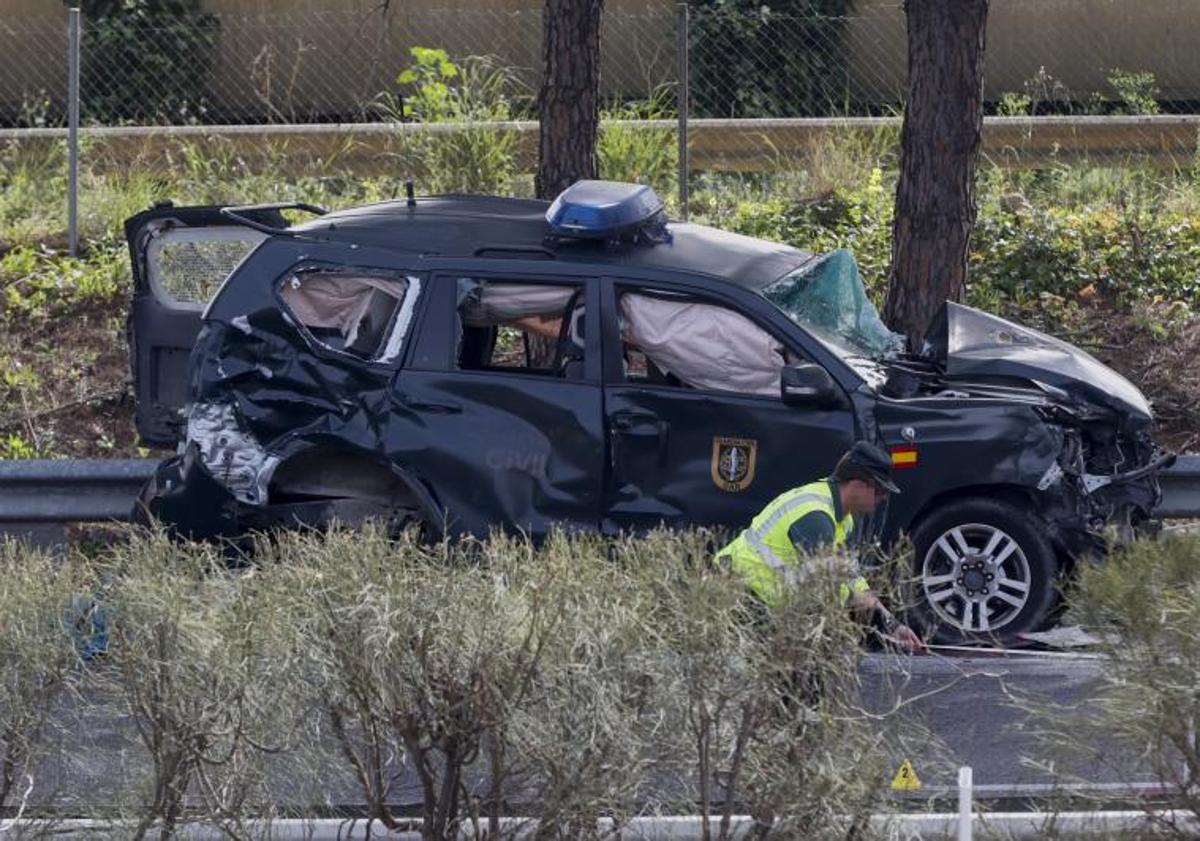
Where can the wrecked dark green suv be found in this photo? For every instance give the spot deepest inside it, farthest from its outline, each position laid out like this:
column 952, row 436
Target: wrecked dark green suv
column 466, row 362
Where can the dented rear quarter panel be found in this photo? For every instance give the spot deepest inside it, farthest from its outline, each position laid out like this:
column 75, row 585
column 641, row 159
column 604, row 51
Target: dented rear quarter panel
column 289, row 393
column 488, row 449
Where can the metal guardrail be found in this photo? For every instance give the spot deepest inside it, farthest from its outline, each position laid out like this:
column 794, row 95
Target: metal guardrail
column 76, row 491
column 739, row 145
column 1181, row 489
column 70, row 491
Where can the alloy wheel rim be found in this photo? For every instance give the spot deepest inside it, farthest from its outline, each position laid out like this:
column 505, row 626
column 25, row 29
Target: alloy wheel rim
column 976, row 578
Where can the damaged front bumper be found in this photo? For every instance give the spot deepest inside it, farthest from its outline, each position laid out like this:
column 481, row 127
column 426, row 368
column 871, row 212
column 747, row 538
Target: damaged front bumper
column 1091, row 498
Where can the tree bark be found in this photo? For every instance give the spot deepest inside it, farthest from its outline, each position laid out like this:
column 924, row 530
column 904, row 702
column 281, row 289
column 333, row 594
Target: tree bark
column 939, row 150
column 569, row 100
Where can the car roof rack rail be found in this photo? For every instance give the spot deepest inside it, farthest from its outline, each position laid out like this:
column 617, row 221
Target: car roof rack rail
column 241, row 215
column 536, row 252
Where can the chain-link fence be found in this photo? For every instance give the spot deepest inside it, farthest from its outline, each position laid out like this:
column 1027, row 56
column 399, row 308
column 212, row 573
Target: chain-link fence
column 316, row 66
column 1110, row 81
column 769, row 86
column 790, row 59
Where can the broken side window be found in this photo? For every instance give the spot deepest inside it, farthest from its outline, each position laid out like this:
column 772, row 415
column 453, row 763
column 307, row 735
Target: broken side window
column 675, row 340
column 510, row 325
column 360, row 314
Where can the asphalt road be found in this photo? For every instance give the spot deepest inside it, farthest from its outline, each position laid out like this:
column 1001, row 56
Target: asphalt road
column 965, row 702
column 974, row 707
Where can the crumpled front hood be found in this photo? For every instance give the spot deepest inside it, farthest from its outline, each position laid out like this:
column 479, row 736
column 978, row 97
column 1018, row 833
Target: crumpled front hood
column 972, row 343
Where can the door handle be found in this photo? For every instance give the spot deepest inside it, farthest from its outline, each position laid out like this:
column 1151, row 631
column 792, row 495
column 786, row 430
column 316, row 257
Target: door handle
column 636, row 424
column 643, row 426
column 434, row 406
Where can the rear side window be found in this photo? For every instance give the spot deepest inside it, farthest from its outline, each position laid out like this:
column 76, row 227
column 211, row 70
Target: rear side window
column 534, row 328
column 360, row 314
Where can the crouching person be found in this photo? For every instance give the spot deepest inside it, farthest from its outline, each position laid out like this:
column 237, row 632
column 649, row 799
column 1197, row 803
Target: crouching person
column 778, row 548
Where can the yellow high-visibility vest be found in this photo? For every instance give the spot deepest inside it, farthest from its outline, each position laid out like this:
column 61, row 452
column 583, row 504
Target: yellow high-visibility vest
column 763, row 554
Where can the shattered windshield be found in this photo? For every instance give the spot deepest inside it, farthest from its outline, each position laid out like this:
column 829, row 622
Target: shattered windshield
column 826, row 296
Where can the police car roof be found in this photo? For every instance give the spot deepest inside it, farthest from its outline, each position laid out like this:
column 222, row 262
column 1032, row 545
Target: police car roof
column 455, row 225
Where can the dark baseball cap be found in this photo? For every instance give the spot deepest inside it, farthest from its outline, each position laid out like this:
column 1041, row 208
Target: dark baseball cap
column 869, row 463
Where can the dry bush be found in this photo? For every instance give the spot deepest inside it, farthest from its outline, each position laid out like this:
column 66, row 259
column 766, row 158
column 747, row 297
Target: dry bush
column 819, row 767
column 579, row 682
column 201, row 658
column 43, row 607
column 584, row 741
column 582, row 682
column 763, row 705
column 1144, row 710
column 417, row 655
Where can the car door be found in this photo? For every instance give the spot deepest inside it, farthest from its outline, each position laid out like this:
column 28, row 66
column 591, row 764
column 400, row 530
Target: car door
column 697, row 430
column 505, row 439
column 179, row 257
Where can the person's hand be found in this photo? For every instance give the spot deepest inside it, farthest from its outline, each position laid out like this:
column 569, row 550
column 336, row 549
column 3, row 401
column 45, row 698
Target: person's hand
column 906, row 638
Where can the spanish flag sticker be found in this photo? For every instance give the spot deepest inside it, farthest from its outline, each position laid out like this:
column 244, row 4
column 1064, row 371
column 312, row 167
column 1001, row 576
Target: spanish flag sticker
column 905, row 456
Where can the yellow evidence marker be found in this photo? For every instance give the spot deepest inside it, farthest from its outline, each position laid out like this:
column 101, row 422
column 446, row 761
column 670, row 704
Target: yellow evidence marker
column 906, row 778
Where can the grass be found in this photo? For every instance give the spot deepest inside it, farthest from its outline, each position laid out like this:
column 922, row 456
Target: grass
column 1072, row 249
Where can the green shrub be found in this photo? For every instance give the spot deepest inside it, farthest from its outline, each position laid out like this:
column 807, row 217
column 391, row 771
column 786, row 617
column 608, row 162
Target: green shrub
column 39, row 661
column 1138, row 90
column 581, row 676
column 40, row 284
column 1141, row 606
column 202, row 660
column 468, row 157
column 146, row 60
column 749, row 59
column 640, row 155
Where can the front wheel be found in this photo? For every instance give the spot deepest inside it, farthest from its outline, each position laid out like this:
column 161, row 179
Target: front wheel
column 985, row 572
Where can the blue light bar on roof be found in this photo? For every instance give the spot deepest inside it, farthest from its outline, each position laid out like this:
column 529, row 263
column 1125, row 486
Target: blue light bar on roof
column 604, row 210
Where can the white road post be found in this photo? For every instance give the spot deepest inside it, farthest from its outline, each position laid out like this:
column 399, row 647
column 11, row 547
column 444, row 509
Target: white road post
column 965, row 821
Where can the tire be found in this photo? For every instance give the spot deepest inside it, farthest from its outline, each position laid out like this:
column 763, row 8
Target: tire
column 985, row 572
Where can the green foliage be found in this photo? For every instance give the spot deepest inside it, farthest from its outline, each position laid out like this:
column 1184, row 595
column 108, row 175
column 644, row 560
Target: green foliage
column 1123, row 256
column 38, row 658
column 1014, row 105
column 1141, row 604
column 146, row 60
column 1122, row 237
column 1047, row 94
column 203, row 659
column 751, row 59
column 640, row 155
column 41, row 284
column 13, row 446
column 469, row 156
column 430, row 98
column 1043, row 94
column 1138, row 90
column 580, row 673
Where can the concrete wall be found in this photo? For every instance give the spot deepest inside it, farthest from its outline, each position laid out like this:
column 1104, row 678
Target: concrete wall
column 292, row 58
column 298, row 57
column 1078, row 42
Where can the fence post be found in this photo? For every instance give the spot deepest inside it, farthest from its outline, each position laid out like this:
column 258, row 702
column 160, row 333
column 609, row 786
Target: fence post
column 73, row 33
column 681, row 49
column 965, row 798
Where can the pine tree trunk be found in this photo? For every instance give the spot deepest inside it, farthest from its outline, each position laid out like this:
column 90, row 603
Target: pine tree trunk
column 568, row 110
column 569, row 101
column 935, row 197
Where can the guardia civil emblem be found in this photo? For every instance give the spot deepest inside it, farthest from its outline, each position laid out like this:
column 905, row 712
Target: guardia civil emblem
column 733, row 463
